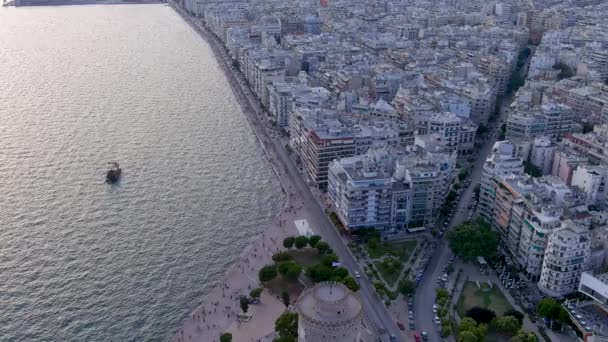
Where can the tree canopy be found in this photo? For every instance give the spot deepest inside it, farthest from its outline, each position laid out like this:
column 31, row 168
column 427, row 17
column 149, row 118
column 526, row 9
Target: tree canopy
column 313, row 240
column 288, row 242
column 287, row 325
column 472, row 239
column 319, row 273
column 244, row 303
column 351, row 283
column 256, row 293
column 322, row 247
column 226, row 337
column 267, row 273
column 523, row 336
column 301, row 241
column 290, row 269
column 508, row 325
column 407, row 287
column 470, row 331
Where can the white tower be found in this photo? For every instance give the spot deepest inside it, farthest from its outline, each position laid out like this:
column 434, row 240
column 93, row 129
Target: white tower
column 330, row 312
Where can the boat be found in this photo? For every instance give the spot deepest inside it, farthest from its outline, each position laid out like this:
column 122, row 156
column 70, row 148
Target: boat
column 113, row 173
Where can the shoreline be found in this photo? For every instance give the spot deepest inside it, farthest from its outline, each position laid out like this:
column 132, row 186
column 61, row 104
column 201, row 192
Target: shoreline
column 202, row 324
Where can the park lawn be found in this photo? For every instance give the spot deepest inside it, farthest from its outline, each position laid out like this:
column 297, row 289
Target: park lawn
column 278, row 285
column 305, row 256
column 484, row 297
column 390, row 276
column 402, row 249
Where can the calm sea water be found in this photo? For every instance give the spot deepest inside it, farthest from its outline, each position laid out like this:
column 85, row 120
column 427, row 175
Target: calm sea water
column 81, row 260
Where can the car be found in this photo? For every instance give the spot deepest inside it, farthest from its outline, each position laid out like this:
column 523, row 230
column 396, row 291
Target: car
column 357, row 274
column 435, row 306
column 400, row 325
column 425, row 336
column 437, row 320
column 393, row 338
column 434, row 310
column 412, row 327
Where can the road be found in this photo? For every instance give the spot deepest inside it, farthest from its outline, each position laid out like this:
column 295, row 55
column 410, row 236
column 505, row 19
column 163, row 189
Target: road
column 375, row 311
column 425, row 294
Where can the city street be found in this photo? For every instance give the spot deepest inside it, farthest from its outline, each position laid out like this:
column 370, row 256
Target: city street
column 425, row 294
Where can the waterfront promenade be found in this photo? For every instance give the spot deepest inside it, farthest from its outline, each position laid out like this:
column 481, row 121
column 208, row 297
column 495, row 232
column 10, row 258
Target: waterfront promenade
column 302, row 204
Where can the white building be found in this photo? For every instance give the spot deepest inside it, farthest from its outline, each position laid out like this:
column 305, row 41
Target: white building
column 566, row 257
column 501, row 162
column 541, row 155
column 592, row 181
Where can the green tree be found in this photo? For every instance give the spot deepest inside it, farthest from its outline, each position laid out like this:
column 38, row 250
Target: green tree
column 467, row 324
column 441, row 293
column 313, row 240
column 285, row 298
column 288, row 242
column 287, row 324
column 339, row 273
column 508, row 325
column 548, row 308
column 256, row 293
column 267, row 273
column 226, row 337
column 318, row 273
column 322, row 247
column 290, row 270
column 301, row 242
column 351, row 283
column 472, row 239
column 281, row 256
column 329, row 259
column 284, row 339
column 407, row 287
column 523, row 336
column 467, row 336
column 445, row 331
column 244, row 303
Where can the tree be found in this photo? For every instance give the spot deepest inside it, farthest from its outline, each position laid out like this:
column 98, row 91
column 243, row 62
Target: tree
column 508, row 325
column 445, row 331
column 329, row 259
column 350, row 283
column 290, row 270
column 267, row 273
column 472, row 239
column 339, row 273
column 287, row 324
column 322, row 247
column 467, row 336
column 467, row 324
column 319, row 273
column 407, row 287
column 441, row 293
column 313, row 240
column 516, row 314
column 284, row 339
column 463, row 174
column 565, row 70
column 281, row 256
column 256, row 293
column 226, row 337
column 285, row 298
column 288, row 242
column 523, row 336
column 548, row 308
column 434, row 232
column 301, row 242
column 481, row 315
column 588, row 126
column 244, row 303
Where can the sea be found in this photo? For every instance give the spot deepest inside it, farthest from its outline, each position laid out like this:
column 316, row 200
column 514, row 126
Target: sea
column 82, row 260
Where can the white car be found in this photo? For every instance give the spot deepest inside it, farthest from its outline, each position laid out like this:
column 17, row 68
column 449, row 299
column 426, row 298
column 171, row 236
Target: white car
column 357, row 275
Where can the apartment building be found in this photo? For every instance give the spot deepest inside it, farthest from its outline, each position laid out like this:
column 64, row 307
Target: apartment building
column 566, row 257
column 501, row 162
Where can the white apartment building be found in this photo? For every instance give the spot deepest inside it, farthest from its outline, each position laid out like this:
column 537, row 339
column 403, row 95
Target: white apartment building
column 592, row 179
column 566, row 257
column 501, row 162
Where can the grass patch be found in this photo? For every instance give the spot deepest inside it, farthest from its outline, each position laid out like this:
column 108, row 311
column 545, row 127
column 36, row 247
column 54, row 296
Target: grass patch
column 484, row 297
column 401, row 250
column 305, row 256
column 390, row 273
column 278, row 285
